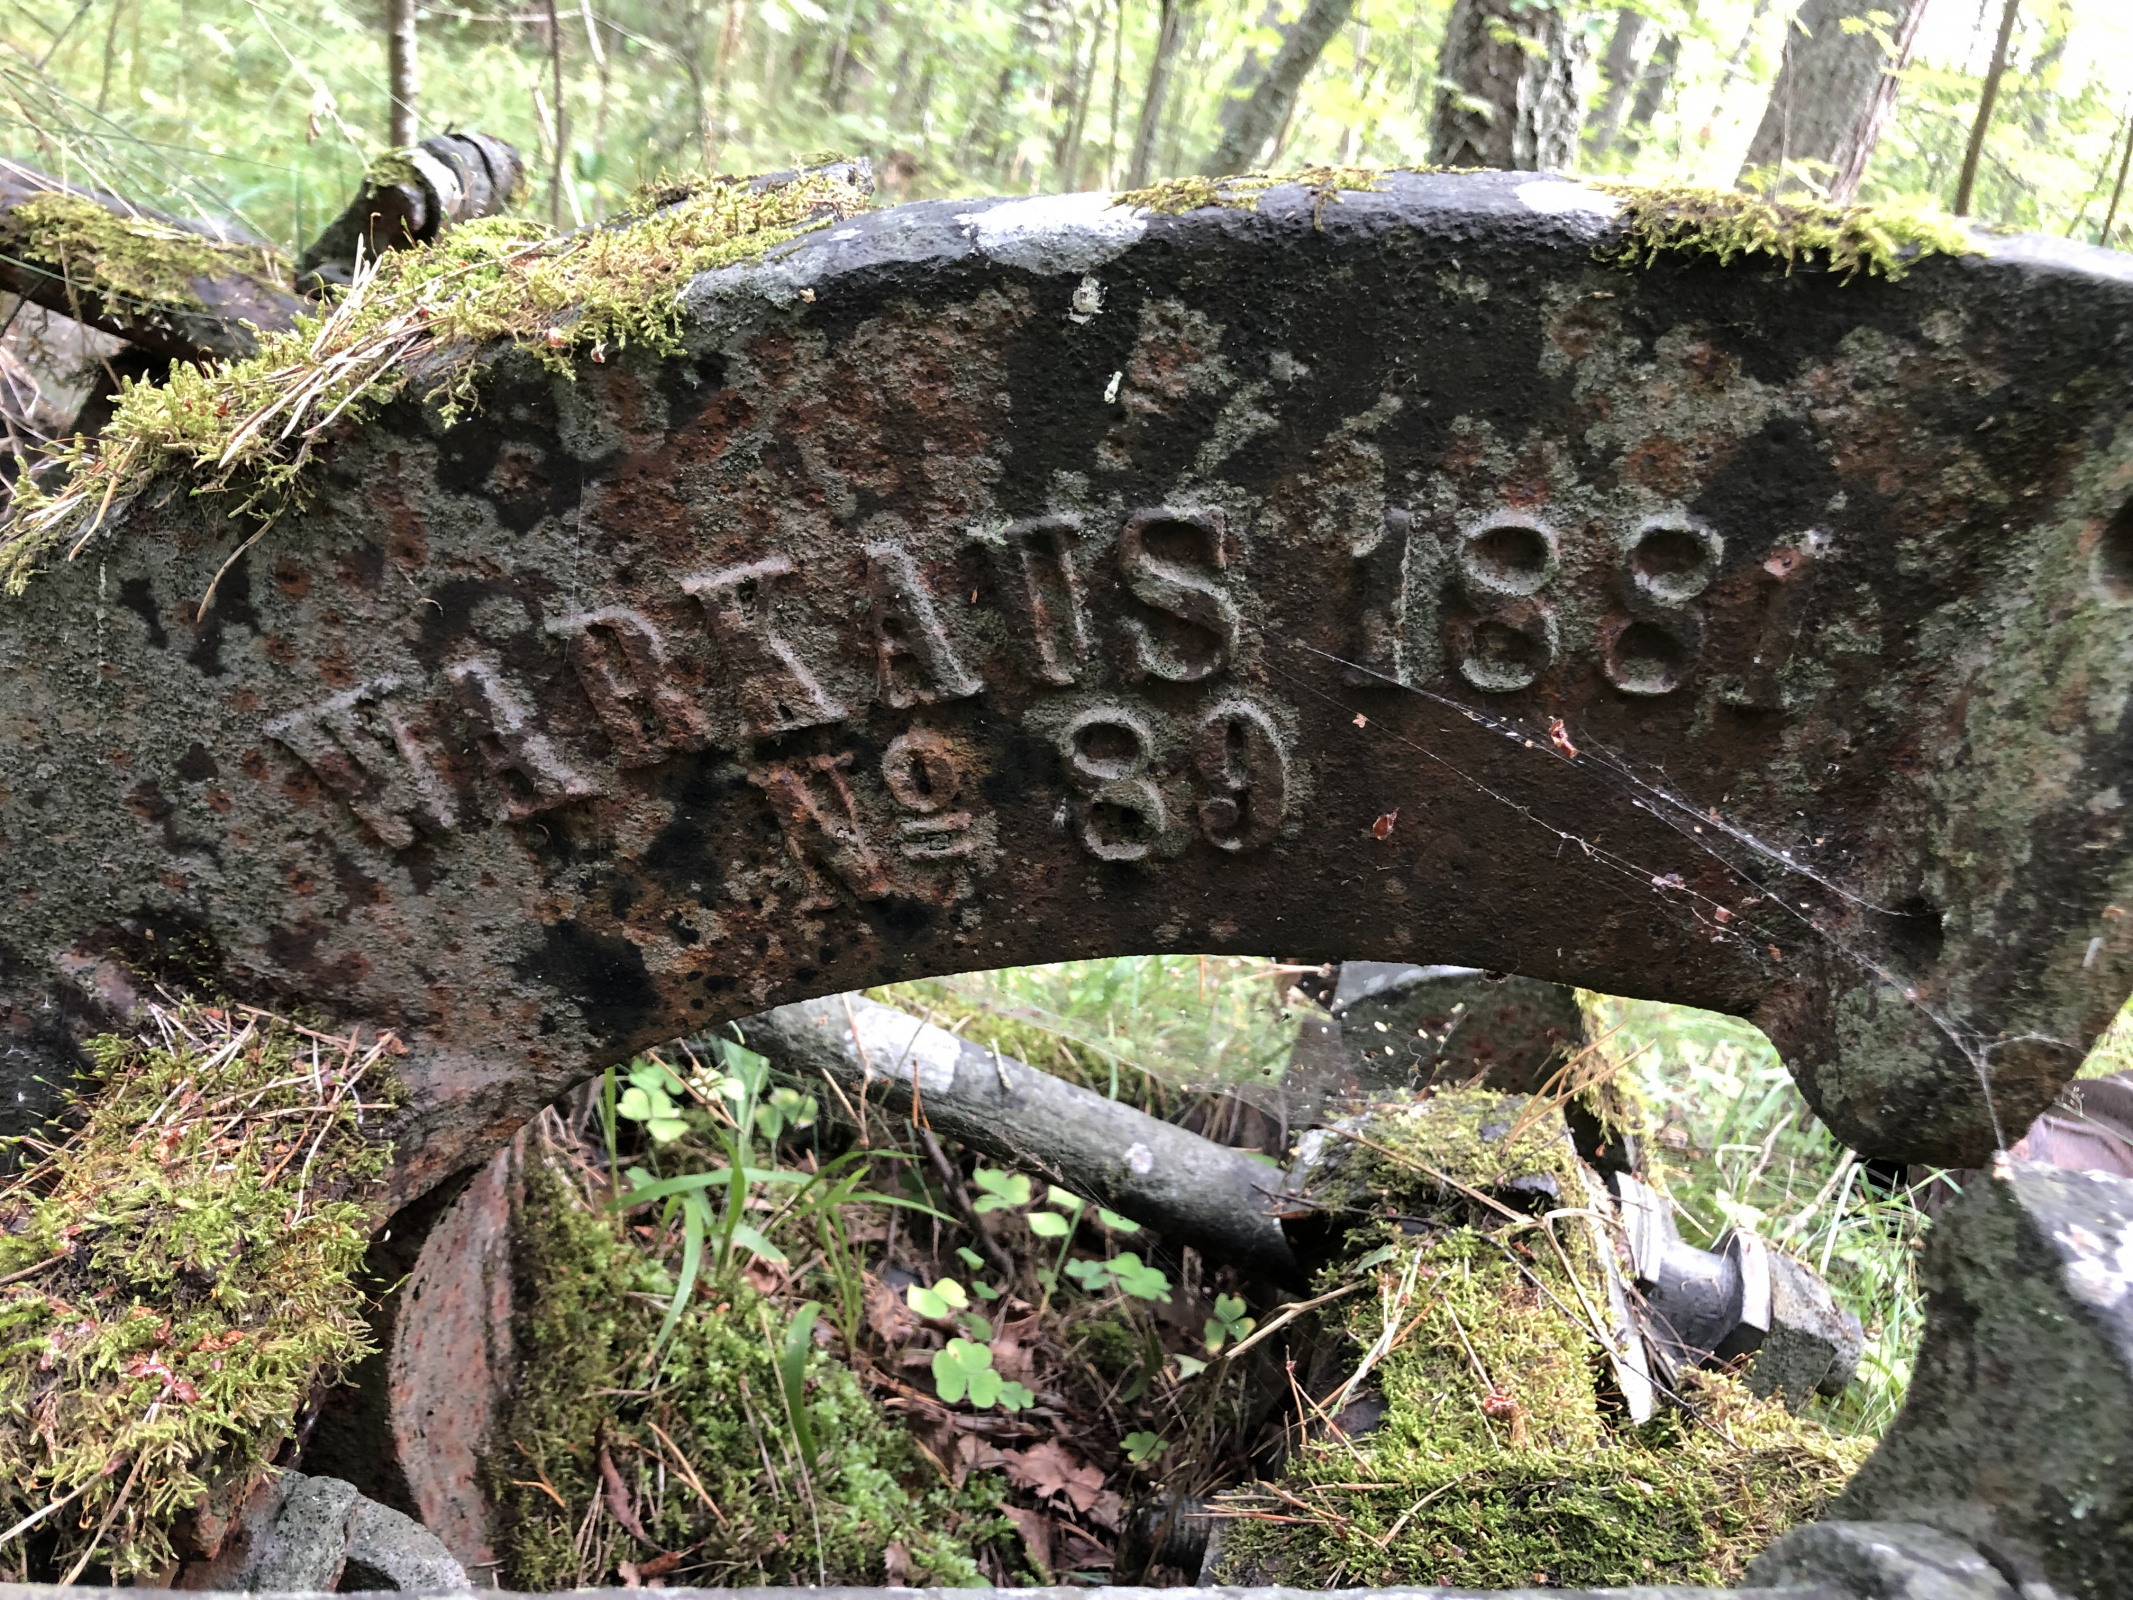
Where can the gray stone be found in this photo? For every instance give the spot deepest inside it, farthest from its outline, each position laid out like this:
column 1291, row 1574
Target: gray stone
column 2018, row 1427
column 1813, row 1346
column 388, row 1549
column 306, row 1544
column 302, row 1534
column 1882, row 1561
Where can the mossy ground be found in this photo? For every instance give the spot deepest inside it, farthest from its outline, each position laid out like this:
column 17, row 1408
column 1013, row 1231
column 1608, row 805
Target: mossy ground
column 137, row 261
column 184, row 1268
column 248, row 430
column 584, row 1394
column 1499, row 1463
column 1726, row 225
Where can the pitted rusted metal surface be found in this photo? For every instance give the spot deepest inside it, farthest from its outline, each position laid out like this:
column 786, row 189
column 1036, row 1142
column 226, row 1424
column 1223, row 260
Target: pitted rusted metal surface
column 1006, row 582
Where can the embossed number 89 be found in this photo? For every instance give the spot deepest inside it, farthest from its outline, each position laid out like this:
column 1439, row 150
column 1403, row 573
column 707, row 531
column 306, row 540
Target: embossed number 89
column 1237, row 754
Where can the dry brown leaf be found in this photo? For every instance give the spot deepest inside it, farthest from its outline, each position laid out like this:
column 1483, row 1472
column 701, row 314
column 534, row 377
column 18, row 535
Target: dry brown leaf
column 1037, row 1532
column 1048, row 1468
column 890, row 1319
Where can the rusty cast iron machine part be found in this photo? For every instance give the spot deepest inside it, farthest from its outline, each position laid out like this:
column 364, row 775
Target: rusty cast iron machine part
column 1383, row 575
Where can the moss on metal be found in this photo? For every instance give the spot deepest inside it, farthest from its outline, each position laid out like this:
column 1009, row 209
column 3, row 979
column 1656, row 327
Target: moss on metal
column 702, row 1454
column 1173, row 197
column 180, row 1274
column 1725, row 225
column 1497, row 1463
column 247, row 431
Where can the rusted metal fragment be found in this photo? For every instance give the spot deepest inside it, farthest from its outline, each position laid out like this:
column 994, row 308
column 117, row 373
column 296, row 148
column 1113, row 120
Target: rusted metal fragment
column 2014, row 1433
column 1000, row 582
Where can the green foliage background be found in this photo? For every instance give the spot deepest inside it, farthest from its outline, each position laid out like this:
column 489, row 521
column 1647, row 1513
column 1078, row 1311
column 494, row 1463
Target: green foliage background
column 228, row 107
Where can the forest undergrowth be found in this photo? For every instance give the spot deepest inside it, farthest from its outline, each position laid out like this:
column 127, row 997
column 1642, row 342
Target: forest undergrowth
column 1029, row 1377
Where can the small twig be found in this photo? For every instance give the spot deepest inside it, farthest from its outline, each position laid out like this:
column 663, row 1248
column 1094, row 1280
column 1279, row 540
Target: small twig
column 1480, row 1371
column 104, row 1527
column 1288, row 1314
column 1393, row 1532
column 866, row 1067
column 681, row 1461
column 952, row 1180
column 39, row 1515
column 31, row 1272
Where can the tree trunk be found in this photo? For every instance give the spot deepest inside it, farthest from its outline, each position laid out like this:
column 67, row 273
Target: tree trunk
column 1652, row 85
column 1066, row 159
column 1628, row 53
column 1834, row 95
column 400, row 79
column 1966, row 185
column 2118, row 190
column 1249, row 128
column 1512, row 87
column 1168, row 33
column 1189, row 1189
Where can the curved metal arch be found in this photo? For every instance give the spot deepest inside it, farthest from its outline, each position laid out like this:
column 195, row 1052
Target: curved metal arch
column 922, row 618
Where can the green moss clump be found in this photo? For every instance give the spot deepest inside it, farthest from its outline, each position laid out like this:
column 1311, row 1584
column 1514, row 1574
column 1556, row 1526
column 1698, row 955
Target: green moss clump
column 247, row 429
column 1725, row 225
column 1172, row 197
column 393, row 167
column 185, row 1274
column 1496, row 1464
column 137, row 261
column 583, row 1393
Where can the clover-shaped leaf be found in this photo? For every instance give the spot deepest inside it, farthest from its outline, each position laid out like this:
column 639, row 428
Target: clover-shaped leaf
column 1094, row 1276
column 1228, row 1322
column 1142, row 1282
column 652, row 1107
column 1049, row 1225
column 1115, row 1222
column 1002, row 1189
column 1142, row 1446
column 965, row 1368
column 944, row 1298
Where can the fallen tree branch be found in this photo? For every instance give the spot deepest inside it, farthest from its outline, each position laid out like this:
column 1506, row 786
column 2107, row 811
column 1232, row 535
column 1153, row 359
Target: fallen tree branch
column 174, row 288
column 1191, row 1190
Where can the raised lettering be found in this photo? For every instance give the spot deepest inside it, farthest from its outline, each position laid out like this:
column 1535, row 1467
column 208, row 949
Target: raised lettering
column 1667, row 561
column 776, row 692
column 362, row 747
column 913, row 654
column 1241, row 756
column 622, row 663
column 1379, row 578
column 512, row 747
column 1507, row 637
column 925, row 779
column 1107, row 749
column 1033, row 563
column 1198, row 634
column 822, row 827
